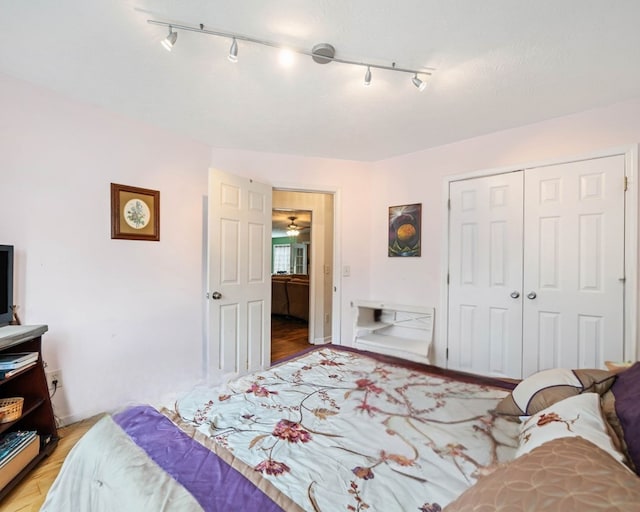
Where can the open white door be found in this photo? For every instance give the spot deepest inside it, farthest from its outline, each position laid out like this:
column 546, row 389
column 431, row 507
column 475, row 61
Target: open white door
column 239, row 274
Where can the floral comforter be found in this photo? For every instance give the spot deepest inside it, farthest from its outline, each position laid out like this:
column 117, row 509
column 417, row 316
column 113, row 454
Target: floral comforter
column 340, row 431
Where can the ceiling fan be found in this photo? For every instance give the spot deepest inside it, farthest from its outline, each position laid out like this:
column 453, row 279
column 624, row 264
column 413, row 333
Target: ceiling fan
column 293, row 229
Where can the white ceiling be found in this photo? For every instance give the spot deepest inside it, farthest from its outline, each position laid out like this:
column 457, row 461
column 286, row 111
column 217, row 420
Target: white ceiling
column 499, row 64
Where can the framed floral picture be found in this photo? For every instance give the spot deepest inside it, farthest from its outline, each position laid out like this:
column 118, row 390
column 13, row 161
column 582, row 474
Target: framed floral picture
column 405, row 230
column 135, row 213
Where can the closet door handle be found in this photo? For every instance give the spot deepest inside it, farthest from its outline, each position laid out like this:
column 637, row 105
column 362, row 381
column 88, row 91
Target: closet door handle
column 216, row 295
column 531, row 295
column 514, row 294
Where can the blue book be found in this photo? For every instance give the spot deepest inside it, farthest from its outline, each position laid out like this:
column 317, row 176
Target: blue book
column 4, row 374
column 12, row 443
column 17, row 360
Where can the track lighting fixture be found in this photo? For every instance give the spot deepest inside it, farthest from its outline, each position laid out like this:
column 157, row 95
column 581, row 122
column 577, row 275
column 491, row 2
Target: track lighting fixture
column 367, row 76
column 170, row 40
column 233, row 51
column 322, row 53
column 421, row 85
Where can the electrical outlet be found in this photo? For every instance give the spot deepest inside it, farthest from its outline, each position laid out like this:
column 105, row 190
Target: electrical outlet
column 54, row 375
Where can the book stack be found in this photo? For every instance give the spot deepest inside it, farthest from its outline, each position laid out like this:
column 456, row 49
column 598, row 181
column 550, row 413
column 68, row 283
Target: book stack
column 10, row 364
column 17, row 449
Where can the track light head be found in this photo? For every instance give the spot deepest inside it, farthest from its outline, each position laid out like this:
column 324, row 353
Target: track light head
column 233, row 51
column 419, row 83
column 367, row 76
column 170, row 40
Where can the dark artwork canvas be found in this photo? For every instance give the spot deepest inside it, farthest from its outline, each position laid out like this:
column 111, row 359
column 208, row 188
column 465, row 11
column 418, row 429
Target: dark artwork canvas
column 405, row 230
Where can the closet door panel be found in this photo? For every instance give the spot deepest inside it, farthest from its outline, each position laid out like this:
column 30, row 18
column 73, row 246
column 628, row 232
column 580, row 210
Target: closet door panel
column 573, row 255
column 548, row 342
column 485, row 268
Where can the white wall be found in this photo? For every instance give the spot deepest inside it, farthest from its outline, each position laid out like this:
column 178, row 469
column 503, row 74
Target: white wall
column 125, row 317
column 419, row 177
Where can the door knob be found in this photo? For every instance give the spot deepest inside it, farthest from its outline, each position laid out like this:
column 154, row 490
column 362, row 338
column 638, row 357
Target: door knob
column 216, row 295
column 514, row 294
column 531, row 295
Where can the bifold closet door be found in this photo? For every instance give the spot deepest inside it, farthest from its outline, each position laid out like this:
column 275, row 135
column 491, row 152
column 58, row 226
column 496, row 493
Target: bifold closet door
column 536, row 269
column 485, row 275
column 573, row 294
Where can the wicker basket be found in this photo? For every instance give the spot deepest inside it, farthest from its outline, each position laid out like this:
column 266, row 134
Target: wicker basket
column 10, row 409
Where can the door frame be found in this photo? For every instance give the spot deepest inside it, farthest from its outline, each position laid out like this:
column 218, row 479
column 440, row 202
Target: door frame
column 336, row 298
column 631, row 346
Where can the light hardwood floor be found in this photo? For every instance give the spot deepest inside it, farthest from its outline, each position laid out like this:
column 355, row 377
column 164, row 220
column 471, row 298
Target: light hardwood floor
column 29, row 495
column 288, row 337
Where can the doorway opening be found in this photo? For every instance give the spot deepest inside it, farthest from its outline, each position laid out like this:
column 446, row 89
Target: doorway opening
column 290, row 250
column 301, row 271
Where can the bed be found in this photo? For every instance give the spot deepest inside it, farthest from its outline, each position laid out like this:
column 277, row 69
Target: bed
column 336, row 429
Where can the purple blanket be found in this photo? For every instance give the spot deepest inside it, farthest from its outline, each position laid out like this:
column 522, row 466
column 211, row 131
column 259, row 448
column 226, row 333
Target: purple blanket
column 210, row 480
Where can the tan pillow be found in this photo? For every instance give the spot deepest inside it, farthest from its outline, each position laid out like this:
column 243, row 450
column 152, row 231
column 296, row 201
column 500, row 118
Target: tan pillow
column 568, row 474
column 608, row 404
column 545, row 388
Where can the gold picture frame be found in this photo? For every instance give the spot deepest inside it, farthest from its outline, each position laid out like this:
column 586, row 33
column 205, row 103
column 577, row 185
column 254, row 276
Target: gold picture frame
column 135, row 213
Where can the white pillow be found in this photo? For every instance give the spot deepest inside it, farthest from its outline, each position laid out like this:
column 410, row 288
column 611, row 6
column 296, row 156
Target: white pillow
column 576, row 416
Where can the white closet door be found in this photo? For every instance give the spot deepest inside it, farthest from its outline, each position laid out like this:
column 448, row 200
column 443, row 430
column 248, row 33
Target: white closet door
column 485, row 270
column 574, row 264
